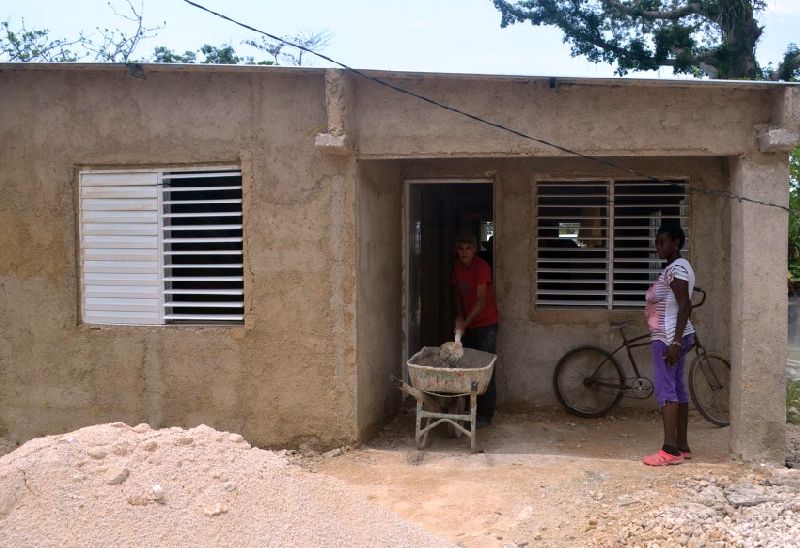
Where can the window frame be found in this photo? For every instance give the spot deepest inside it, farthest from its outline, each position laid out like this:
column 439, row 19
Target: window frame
column 611, row 305
column 161, row 173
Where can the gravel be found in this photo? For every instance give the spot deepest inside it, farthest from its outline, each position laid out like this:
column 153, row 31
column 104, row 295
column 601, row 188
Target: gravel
column 117, row 485
column 760, row 510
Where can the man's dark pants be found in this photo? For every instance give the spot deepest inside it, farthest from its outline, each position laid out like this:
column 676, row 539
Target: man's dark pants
column 484, row 338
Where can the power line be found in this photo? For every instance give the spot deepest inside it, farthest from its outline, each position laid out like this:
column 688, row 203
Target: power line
column 426, row 99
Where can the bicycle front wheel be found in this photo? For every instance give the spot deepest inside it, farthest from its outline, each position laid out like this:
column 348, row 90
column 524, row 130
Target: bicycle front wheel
column 709, row 386
column 588, row 381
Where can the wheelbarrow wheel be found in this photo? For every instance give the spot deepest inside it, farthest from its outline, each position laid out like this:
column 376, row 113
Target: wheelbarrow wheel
column 457, row 407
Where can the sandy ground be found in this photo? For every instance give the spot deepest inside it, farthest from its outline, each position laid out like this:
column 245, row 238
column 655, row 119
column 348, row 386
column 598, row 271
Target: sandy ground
column 543, row 478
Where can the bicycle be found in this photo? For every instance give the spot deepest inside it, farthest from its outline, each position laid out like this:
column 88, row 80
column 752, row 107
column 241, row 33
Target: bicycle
column 589, row 381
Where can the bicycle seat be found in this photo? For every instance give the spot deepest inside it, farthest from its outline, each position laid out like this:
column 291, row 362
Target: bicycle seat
column 620, row 325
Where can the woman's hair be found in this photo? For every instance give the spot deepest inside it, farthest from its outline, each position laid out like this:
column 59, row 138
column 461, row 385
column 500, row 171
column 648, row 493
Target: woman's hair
column 674, row 231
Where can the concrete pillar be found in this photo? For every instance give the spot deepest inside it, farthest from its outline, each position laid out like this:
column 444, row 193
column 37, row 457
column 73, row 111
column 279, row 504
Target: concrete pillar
column 758, row 307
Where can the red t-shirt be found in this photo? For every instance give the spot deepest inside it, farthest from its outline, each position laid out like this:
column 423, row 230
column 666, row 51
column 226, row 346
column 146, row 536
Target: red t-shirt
column 466, row 280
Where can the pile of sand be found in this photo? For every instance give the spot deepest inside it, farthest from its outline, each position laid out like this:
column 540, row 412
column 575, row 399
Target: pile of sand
column 116, row 485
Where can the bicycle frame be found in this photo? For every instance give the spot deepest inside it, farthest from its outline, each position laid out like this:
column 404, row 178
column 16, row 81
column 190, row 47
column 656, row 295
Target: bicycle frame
column 636, row 342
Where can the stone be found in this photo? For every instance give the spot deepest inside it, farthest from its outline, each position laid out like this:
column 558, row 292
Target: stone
column 150, row 445
column 96, row 453
column 141, row 428
column 157, row 493
column 116, row 475
column 332, row 453
column 138, row 500
column 215, row 510
column 229, row 486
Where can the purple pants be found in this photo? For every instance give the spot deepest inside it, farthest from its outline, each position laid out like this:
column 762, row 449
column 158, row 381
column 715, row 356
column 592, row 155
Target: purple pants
column 668, row 381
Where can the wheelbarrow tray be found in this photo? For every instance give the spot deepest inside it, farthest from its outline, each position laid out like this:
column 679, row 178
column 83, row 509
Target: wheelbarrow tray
column 475, row 366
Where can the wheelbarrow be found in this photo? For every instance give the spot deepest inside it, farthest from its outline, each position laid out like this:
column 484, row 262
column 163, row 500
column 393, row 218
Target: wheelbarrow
column 441, row 392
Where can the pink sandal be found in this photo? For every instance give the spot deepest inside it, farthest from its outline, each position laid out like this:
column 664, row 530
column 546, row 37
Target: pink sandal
column 687, row 455
column 662, row 458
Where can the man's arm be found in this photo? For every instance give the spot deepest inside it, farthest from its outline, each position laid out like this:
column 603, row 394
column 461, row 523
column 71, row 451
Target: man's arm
column 480, row 304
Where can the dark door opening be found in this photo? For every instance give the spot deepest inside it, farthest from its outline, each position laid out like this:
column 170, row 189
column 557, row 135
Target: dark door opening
column 438, row 213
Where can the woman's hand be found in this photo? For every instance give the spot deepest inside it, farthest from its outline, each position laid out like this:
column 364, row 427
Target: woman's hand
column 672, row 355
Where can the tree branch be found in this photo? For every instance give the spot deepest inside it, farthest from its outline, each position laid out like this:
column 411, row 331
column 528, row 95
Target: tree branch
column 692, row 8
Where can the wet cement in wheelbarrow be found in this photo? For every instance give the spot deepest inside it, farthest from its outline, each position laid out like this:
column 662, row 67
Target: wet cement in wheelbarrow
column 472, row 359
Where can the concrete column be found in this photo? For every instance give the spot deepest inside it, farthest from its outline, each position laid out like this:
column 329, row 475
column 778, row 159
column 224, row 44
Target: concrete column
column 758, row 307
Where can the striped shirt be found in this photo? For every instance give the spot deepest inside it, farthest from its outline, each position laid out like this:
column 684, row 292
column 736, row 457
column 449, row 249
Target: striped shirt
column 661, row 307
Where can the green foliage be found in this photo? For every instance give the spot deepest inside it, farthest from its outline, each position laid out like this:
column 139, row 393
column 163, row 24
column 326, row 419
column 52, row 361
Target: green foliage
column 792, row 401
column 23, row 45
column 119, row 45
column 715, row 38
column 794, row 220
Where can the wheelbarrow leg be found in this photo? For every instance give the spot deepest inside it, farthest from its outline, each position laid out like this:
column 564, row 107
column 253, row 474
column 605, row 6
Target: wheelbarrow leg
column 473, row 418
column 420, row 439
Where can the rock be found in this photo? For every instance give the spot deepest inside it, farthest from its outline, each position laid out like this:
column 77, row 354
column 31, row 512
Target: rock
column 593, row 521
column 96, row 453
column 185, row 440
column 116, row 475
column 141, row 428
column 150, row 445
column 332, row 453
column 138, row 500
column 229, row 486
column 792, row 410
column 157, row 493
column 215, row 510
column 120, row 449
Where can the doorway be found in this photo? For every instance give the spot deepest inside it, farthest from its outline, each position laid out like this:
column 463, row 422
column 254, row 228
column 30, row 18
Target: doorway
column 437, row 212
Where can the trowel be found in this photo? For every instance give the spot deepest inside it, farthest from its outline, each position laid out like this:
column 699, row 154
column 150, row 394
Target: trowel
column 451, row 352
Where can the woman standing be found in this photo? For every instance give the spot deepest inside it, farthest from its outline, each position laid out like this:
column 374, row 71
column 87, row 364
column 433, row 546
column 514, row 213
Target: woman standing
column 667, row 311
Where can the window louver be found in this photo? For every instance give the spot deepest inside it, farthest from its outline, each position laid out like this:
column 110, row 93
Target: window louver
column 595, row 240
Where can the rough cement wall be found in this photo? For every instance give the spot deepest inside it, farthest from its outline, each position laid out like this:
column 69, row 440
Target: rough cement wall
column 380, row 194
column 609, row 120
column 287, row 375
column 532, row 340
column 759, row 307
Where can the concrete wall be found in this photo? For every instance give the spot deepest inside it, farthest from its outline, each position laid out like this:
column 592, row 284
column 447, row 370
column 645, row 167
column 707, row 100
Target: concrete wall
column 606, row 118
column 380, row 193
column 287, row 375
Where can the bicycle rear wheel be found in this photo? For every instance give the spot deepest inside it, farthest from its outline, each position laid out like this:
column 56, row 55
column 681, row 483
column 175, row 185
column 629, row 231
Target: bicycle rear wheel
column 709, row 386
column 588, row 381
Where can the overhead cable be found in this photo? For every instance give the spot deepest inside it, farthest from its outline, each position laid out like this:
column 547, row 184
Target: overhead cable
column 476, row 118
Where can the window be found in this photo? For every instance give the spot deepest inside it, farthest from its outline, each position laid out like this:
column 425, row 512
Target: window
column 162, row 247
column 595, row 239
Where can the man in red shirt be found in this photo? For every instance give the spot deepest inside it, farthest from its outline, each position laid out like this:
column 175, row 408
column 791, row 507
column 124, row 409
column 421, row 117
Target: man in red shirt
column 476, row 312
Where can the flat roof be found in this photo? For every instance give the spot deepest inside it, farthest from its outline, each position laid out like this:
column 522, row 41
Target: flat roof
column 551, row 79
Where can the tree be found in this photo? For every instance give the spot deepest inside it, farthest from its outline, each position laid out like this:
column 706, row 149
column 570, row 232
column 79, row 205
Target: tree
column 715, row 38
column 119, row 45
column 23, row 46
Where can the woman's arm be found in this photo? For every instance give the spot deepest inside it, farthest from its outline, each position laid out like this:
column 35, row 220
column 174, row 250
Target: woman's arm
column 681, row 290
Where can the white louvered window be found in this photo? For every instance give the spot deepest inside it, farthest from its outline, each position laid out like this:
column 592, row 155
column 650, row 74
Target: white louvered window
column 595, row 240
column 162, row 247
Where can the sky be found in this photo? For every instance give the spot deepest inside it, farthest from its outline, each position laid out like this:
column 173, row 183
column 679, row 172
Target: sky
column 407, row 35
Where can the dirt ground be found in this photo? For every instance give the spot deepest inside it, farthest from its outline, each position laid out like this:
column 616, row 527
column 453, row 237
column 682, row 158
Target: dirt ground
column 544, row 478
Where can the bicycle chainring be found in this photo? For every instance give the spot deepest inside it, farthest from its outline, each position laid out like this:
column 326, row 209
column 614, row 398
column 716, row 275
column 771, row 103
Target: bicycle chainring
column 642, row 388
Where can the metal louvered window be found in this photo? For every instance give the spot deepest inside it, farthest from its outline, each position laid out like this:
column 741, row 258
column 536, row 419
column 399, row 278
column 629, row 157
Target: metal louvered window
column 162, row 247
column 595, row 240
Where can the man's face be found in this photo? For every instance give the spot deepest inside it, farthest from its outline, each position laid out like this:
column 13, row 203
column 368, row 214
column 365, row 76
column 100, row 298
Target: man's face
column 466, row 252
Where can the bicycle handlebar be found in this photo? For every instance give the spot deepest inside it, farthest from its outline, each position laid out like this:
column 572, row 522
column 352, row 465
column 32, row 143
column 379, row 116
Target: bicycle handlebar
column 703, row 293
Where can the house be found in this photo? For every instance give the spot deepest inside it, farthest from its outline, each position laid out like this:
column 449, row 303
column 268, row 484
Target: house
column 259, row 248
